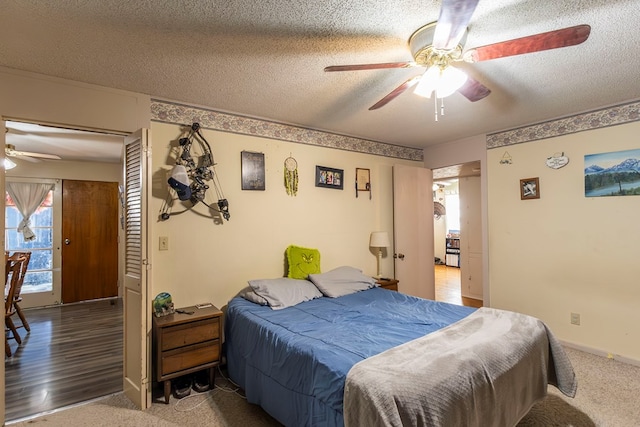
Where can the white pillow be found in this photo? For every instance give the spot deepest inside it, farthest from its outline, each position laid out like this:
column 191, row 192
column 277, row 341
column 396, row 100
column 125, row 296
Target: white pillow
column 342, row 281
column 248, row 294
column 284, row 292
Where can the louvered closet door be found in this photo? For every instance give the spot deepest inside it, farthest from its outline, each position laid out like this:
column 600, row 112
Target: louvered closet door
column 136, row 274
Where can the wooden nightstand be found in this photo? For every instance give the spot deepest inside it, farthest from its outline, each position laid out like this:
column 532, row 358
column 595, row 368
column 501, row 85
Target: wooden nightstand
column 391, row 284
column 187, row 343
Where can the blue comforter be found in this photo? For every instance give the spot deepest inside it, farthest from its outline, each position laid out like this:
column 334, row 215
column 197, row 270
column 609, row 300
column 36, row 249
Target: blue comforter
column 293, row 362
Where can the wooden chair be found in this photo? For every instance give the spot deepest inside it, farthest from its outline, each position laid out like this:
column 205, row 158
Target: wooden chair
column 12, row 276
column 17, row 298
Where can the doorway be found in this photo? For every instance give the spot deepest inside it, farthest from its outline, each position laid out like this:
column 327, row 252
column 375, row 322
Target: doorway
column 100, row 160
column 458, row 234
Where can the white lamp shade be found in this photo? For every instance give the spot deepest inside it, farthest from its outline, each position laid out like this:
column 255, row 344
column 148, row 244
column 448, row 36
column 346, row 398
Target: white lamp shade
column 442, row 81
column 428, row 82
column 379, row 239
column 451, row 80
column 8, row 164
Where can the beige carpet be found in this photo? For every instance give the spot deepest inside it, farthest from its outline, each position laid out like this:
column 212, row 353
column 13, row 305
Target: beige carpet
column 607, row 395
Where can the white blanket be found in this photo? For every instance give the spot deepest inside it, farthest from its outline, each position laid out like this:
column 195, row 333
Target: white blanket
column 488, row 369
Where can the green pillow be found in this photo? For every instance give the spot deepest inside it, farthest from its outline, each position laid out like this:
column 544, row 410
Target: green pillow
column 302, row 262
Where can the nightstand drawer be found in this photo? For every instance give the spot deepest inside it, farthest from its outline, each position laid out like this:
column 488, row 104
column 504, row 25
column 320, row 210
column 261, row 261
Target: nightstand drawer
column 390, row 284
column 190, row 333
column 199, row 354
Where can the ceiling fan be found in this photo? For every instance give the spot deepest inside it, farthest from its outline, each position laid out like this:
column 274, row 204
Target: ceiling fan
column 10, row 151
column 437, row 46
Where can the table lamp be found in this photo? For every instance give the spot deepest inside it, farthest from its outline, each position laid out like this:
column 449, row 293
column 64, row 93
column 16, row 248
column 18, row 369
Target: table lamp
column 379, row 239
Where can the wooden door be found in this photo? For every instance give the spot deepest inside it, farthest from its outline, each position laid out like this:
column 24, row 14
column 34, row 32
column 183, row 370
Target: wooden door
column 89, row 240
column 137, row 268
column 413, row 230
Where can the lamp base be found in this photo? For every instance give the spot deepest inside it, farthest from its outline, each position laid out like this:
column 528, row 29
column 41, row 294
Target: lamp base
column 378, row 258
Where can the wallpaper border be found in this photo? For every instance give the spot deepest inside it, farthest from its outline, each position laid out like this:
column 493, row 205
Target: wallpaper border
column 605, row 117
column 176, row 113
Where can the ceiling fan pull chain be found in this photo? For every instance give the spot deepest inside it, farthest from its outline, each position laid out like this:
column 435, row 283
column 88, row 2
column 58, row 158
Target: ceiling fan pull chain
column 435, row 104
column 442, row 106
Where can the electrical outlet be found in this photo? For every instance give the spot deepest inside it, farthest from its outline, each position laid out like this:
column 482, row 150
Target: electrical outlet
column 575, row 318
column 164, row 243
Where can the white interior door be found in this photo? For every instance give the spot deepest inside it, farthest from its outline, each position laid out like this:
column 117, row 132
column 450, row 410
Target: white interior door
column 413, row 230
column 137, row 269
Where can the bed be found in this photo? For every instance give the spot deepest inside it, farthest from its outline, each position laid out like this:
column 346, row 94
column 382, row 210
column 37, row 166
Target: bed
column 379, row 357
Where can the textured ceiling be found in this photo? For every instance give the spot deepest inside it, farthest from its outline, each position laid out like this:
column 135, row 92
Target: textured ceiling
column 266, row 58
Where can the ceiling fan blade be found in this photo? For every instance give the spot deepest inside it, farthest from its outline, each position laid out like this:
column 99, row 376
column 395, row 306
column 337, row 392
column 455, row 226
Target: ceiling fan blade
column 570, row 36
column 473, row 90
column 394, row 93
column 381, row 66
column 36, row 155
column 27, row 158
column 452, row 22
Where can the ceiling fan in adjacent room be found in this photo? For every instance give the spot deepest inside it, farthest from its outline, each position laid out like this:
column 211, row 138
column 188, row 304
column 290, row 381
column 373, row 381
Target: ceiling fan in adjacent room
column 10, row 151
column 439, row 45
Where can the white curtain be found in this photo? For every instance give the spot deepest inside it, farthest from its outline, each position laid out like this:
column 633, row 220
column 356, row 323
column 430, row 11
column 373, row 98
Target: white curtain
column 27, row 197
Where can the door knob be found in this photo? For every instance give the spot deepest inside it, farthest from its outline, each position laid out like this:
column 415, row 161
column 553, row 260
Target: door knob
column 67, row 241
column 401, row 256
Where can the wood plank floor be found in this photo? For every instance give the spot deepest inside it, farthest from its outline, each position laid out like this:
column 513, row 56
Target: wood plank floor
column 448, row 287
column 73, row 353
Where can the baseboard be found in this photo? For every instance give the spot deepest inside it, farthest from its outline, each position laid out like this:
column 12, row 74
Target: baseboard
column 602, row 353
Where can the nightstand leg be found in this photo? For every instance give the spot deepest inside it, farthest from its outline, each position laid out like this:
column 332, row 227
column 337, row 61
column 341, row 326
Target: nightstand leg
column 167, row 391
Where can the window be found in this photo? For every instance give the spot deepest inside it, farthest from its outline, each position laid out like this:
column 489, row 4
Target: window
column 452, row 202
column 39, row 277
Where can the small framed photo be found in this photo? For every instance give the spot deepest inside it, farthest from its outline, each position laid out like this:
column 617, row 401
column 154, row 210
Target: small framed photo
column 252, row 170
column 329, row 177
column 529, row 188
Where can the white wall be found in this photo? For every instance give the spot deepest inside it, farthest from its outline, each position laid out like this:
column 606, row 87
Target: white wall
column 212, row 262
column 565, row 253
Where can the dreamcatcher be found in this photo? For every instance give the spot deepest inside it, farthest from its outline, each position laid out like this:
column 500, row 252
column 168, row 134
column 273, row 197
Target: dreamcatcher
column 192, row 174
column 291, row 176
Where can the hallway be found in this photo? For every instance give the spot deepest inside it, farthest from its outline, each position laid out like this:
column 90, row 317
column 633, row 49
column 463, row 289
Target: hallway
column 448, row 287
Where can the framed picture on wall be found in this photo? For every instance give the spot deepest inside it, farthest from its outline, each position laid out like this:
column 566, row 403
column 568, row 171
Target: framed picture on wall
column 252, row 170
column 329, row 177
column 612, row 174
column 529, row 188
column 363, row 181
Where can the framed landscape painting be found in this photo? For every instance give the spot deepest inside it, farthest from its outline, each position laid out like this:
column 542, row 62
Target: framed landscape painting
column 615, row 173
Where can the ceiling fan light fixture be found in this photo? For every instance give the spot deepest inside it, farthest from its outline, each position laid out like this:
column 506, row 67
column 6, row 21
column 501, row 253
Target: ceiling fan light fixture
column 428, row 82
column 441, row 80
column 8, row 164
column 451, row 79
